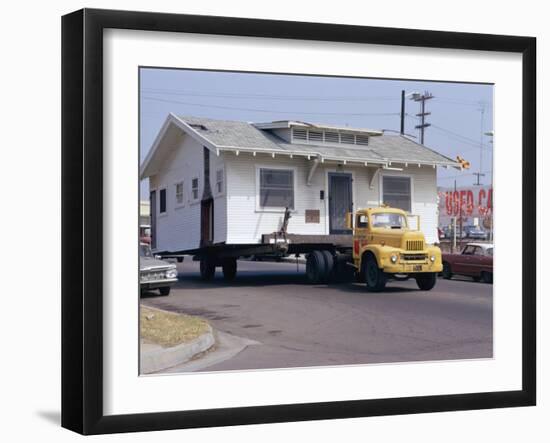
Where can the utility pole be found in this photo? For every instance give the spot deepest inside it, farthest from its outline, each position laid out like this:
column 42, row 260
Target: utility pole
column 402, row 112
column 421, row 98
column 478, row 174
column 481, row 133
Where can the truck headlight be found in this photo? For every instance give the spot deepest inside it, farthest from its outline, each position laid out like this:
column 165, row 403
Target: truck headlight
column 432, row 258
column 393, row 258
column 171, row 273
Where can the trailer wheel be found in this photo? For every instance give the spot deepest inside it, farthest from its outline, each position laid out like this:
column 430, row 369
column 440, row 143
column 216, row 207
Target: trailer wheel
column 315, row 267
column 329, row 266
column 207, row 269
column 375, row 278
column 426, row 281
column 229, row 268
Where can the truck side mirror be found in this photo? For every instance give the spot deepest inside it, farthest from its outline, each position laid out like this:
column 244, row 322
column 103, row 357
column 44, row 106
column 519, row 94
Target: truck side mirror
column 349, row 220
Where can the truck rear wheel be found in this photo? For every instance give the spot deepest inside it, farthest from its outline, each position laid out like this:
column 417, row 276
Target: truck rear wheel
column 426, row 281
column 329, row 266
column 315, row 267
column 207, row 269
column 229, row 268
column 375, row 278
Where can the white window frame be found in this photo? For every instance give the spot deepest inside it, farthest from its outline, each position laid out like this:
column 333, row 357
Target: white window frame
column 381, row 186
column 192, row 197
column 222, row 191
column 260, row 208
column 182, row 203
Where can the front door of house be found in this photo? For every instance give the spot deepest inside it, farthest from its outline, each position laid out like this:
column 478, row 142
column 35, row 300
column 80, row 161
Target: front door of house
column 340, row 201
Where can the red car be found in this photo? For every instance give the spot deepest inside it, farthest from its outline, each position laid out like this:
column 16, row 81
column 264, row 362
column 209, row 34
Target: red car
column 475, row 260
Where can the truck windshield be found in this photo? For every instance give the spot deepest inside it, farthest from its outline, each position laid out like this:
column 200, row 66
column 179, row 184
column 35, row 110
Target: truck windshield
column 389, row 220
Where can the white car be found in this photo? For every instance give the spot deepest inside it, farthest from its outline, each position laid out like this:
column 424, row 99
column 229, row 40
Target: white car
column 155, row 273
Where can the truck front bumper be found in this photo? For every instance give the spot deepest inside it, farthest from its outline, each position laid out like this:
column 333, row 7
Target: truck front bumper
column 413, row 268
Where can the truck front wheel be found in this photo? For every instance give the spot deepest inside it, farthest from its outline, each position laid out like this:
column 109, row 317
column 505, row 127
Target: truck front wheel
column 426, row 281
column 375, row 278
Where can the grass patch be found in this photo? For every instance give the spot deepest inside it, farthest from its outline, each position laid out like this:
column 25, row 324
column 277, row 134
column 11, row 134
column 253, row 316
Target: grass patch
column 168, row 329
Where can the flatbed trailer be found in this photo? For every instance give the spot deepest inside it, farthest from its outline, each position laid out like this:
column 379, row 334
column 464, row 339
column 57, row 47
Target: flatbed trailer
column 328, row 256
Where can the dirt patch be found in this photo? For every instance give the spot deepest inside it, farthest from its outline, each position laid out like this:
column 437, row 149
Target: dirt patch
column 168, row 329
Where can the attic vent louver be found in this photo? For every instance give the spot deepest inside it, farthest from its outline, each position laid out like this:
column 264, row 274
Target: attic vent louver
column 320, row 136
column 315, row 136
column 347, row 138
column 361, row 139
column 299, row 134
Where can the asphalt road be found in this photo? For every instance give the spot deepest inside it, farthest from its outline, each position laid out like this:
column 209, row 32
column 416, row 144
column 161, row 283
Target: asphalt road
column 300, row 325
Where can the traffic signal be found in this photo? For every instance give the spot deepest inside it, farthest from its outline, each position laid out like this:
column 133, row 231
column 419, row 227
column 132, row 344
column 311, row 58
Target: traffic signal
column 464, row 164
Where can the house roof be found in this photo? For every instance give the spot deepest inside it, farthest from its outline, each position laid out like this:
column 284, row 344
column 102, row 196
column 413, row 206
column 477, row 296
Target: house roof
column 227, row 135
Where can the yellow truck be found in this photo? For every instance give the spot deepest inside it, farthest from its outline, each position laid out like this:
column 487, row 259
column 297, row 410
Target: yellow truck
column 384, row 246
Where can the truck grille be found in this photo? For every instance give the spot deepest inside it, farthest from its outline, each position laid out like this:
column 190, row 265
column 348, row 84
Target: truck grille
column 415, row 245
column 414, row 257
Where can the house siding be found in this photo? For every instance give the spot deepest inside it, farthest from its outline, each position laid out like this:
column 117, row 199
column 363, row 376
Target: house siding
column 179, row 227
column 247, row 223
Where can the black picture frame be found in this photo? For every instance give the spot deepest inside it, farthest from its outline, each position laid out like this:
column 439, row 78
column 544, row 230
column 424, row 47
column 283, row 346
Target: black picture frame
column 82, row 215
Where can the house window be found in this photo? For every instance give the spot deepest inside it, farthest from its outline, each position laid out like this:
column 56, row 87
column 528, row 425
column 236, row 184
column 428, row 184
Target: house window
column 397, row 192
column 179, row 193
column 195, row 188
column 276, row 188
column 219, row 181
column 162, row 202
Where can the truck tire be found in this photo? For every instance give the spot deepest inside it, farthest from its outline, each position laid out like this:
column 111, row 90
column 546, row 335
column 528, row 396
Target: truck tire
column 315, row 267
column 329, row 266
column 165, row 290
column 207, row 269
column 426, row 281
column 447, row 272
column 375, row 278
column 229, row 268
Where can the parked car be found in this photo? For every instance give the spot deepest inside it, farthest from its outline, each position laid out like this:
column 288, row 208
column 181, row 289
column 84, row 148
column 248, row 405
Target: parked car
column 475, row 232
column 155, row 273
column 448, row 232
column 475, row 260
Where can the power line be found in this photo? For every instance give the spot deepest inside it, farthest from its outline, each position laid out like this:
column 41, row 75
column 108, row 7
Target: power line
column 272, row 111
column 250, row 96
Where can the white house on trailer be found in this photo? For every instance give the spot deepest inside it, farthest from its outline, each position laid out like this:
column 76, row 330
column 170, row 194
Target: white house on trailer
column 229, row 182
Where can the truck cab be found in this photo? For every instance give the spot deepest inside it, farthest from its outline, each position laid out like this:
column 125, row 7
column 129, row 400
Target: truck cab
column 385, row 246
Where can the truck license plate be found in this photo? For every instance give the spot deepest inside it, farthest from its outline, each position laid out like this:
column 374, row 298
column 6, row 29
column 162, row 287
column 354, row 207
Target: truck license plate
column 417, row 268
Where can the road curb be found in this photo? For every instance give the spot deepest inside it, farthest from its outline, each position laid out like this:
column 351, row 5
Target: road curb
column 159, row 358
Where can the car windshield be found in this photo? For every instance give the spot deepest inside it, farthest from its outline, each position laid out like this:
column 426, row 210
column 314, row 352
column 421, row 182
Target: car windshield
column 145, row 251
column 389, row 220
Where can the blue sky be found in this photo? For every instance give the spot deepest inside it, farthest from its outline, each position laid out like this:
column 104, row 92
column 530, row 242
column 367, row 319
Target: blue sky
column 460, row 112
